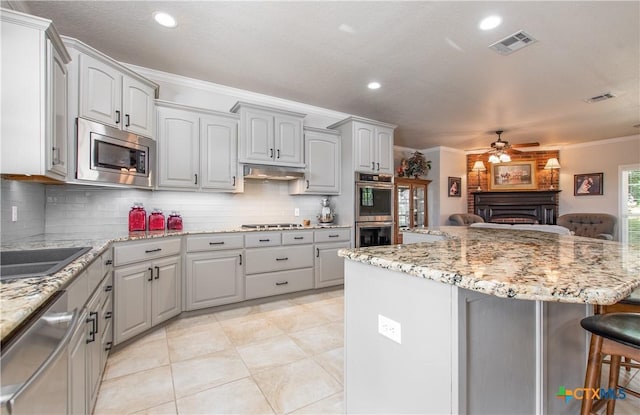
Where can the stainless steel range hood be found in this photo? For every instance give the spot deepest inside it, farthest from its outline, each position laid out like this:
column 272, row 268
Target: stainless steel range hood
column 259, row 171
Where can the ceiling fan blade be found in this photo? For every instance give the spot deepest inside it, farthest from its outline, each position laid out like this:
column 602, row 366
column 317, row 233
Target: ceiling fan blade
column 532, row 144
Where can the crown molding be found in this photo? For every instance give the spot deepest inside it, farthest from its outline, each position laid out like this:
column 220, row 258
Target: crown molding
column 239, row 94
column 607, row 141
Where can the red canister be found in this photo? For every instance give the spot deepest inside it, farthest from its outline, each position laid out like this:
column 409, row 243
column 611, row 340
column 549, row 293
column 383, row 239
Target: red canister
column 156, row 220
column 174, row 223
column 137, row 218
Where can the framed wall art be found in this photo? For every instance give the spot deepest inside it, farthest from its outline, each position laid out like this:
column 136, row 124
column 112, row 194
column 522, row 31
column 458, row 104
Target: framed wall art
column 517, row 175
column 588, row 184
column 455, row 184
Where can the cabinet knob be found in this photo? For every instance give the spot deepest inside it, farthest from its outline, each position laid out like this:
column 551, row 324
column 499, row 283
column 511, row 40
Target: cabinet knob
column 108, row 262
column 108, row 288
column 108, row 346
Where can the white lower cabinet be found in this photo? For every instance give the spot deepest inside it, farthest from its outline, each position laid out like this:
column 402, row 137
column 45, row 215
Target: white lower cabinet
column 214, row 270
column 90, row 294
column 278, row 269
column 147, row 284
column 329, row 267
column 147, row 293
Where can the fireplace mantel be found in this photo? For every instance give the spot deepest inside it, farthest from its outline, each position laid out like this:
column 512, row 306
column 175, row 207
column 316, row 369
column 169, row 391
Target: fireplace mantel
column 540, row 206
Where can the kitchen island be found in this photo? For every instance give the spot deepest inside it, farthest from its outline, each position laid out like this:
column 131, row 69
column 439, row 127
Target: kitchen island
column 484, row 320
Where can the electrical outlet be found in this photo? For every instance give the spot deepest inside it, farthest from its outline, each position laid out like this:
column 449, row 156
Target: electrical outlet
column 296, row 212
column 14, row 213
column 390, row 329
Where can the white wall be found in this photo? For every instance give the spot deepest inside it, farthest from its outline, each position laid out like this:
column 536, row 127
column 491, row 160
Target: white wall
column 30, row 201
column 453, row 163
column 604, row 156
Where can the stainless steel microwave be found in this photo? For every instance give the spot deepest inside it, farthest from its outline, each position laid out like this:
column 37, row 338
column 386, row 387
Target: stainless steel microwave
column 107, row 155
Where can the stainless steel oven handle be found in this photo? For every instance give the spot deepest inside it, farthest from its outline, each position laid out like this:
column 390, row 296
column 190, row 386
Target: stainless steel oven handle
column 7, row 398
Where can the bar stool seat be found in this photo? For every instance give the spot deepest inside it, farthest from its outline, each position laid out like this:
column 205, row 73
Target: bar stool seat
column 615, row 334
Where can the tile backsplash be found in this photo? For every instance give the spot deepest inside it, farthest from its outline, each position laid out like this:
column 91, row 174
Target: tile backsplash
column 94, row 210
column 29, row 199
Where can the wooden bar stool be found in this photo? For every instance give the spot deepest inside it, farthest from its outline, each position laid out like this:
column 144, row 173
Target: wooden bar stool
column 615, row 334
column 630, row 304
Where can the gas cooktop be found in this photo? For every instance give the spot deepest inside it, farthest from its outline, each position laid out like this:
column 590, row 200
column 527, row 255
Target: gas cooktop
column 273, row 226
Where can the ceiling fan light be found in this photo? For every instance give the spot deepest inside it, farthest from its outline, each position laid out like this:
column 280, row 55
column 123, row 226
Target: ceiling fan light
column 494, row 159
column 505, row 158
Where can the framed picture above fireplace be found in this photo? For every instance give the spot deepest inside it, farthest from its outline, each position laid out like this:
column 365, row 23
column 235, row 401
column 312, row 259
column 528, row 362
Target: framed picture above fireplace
column 517, row 175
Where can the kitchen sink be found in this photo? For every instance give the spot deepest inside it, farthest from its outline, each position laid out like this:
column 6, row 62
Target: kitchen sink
column 37, row 262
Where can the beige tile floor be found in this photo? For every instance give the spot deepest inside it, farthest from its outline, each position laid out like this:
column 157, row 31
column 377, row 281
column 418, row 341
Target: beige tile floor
column 283, row 356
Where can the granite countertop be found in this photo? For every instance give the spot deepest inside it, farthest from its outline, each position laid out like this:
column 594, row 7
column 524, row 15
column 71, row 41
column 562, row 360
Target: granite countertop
column 21, row 297
column 520, row 264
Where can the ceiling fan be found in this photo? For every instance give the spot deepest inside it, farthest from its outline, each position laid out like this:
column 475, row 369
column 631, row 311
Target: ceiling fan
column 500, row 150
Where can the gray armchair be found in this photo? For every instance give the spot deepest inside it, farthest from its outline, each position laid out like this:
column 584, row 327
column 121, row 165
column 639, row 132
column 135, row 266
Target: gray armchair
column 592, row 225
column 464, row 219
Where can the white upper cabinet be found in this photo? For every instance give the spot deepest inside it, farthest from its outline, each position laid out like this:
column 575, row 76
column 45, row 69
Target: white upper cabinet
column 219, row 152
column 370, row 143
column 178, row 150
column 322, row 156
column 197, row 149
column 269, row 136
column 34, row 97
column 373, row 148
column 110, row 93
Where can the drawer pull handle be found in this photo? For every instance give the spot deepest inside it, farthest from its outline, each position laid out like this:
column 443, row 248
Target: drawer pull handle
column 278, row 153
column 117, row 117
column 264, row 240
column 216, row 243
column 240, row 259
column 157, row 272
column 298, row 237
column 108, row 262
column 317, row 252
column 150, row 274
column 148, row 251
column 108, row 288
column 282, row 283
column 108, row 315
column 282, row 259
column 108, row 346
column 234, row 181
column 333, row 236
column 93, row 319
column 270, row 153
column 196, row 182
column 128, row 123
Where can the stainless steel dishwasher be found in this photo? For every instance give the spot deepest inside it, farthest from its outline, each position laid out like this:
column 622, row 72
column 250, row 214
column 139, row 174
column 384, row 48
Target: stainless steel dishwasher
column 34, row 364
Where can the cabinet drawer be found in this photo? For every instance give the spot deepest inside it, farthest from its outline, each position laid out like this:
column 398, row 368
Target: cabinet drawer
column 78, row 292
column 332, row 235
column 131, row 252
column 106, row 288
column 295, row 238
column 214, row 242
column 278, row 259
column 95, row 274
column 254, row 240
column 274, row 283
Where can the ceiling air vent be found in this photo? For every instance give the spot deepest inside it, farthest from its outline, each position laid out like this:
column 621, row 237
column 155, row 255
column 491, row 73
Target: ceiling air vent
column 601, row 97
column 510, row 44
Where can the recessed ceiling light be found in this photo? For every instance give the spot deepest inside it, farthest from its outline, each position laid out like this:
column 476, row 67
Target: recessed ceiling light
column 346, row 28
column 490, row 22
column 165, row 19
column 373, row 85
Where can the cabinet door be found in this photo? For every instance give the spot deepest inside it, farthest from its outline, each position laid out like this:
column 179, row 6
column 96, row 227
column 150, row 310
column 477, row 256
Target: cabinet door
column 364, row 147
column 178, row 158
column 257, row 137
column 384, row 150
column 78, row 368
column 329, row 267
column 322, row 154
column 94, row 348
column 137, row 107
column 166, row 289
column 288, row 140
column 100, row 92
column 56, row 146
column 219, row 152
column 132, row 288
column 214, row 279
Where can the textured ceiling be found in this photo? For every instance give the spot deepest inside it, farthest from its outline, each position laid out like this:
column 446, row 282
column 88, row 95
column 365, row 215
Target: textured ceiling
column 441, row 84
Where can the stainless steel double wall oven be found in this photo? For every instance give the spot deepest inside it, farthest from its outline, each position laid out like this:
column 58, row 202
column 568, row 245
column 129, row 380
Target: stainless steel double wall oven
column 374, row 209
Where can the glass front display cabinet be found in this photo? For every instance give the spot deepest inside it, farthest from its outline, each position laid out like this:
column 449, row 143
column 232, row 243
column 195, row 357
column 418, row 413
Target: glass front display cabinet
column 411, row 205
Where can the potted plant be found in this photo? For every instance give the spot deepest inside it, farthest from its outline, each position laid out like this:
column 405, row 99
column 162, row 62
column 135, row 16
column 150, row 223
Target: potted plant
column 415, row 166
